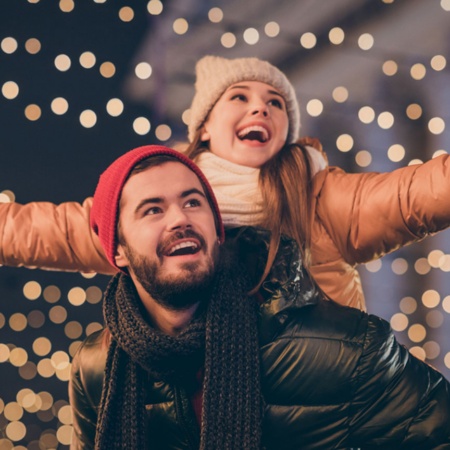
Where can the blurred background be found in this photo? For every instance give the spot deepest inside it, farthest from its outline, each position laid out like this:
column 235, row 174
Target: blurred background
column 84, row 81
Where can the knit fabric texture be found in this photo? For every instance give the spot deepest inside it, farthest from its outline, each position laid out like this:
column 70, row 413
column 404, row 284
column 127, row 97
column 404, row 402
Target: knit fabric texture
column 215, row 74
column 104, row 214
column 224, row 337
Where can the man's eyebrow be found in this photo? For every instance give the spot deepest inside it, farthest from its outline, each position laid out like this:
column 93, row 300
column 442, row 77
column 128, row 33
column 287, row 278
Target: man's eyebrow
column 188, row 192
column 146, row 201
column 158, row 200
column 242, row 86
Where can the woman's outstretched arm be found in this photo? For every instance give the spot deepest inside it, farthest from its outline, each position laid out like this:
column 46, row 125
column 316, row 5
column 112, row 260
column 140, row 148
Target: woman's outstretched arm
column 48, row 236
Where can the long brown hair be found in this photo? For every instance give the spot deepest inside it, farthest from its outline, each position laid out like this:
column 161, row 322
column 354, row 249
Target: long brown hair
column 285, row 183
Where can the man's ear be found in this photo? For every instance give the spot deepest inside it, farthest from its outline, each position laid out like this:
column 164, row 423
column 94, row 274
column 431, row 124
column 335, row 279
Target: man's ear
column 120, row 257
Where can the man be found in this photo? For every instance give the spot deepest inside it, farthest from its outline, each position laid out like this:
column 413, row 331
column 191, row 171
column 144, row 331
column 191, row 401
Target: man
column 188, row 360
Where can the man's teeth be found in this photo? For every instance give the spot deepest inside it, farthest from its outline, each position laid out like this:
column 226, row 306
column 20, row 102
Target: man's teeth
column 183, row 245
column 264, row 133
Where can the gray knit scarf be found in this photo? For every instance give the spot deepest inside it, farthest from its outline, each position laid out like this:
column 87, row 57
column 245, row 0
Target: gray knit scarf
column 224, row 339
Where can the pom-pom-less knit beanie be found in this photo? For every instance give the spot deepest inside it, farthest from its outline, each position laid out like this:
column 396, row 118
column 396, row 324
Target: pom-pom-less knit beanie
column 215, row 74
column 104, row 214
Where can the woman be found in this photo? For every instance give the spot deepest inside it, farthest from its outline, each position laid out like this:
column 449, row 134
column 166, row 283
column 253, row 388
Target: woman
column 243, row 134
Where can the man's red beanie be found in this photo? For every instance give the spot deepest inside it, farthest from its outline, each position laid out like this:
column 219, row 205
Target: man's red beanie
column 105, row 208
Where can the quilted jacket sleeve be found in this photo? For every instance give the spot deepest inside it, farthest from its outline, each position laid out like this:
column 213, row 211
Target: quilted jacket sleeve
column 368, row 215
column 400, row 402
column 50, row 236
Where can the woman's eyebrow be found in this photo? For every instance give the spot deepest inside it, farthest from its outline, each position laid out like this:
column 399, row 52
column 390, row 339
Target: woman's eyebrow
column 243, row 86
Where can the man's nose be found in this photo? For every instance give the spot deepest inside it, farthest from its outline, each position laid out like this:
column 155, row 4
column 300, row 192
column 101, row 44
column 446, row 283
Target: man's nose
column 177, row 218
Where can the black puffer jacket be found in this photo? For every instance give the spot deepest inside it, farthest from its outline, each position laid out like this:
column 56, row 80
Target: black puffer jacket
column 333, row 377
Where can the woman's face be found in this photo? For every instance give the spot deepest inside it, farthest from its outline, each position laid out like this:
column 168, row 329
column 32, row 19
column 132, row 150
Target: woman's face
column 248, row 125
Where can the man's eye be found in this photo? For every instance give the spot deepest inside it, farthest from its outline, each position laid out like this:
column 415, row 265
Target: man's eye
column 192, row 203
column 153, row 211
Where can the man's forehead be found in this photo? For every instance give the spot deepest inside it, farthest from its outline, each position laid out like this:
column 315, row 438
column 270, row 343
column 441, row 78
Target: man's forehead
column 167, row 179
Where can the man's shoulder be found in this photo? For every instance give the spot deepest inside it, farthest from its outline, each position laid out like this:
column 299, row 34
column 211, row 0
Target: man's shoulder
column 89, row 362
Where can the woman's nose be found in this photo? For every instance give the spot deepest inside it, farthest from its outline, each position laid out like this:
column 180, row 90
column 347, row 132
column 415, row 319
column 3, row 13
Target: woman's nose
column 260, row 109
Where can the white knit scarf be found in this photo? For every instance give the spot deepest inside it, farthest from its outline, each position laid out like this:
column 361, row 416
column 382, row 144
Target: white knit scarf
column 237, row 187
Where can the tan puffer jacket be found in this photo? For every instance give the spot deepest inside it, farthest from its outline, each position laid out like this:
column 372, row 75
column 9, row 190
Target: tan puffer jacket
column 357, row 218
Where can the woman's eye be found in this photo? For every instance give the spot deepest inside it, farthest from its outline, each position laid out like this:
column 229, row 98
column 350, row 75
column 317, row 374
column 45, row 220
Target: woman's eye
column 277, row 103
column 241, row 97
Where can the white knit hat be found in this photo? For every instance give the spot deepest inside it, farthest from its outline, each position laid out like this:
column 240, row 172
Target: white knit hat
column 215, row 74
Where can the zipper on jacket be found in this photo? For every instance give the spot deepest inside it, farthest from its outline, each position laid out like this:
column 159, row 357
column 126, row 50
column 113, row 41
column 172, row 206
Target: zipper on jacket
column 186, row 417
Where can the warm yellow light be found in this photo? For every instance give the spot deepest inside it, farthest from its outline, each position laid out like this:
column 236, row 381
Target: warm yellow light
column 308, row 40
column 417, row 332
column 107, row 69
column 87, row 60
column 32, row 290
column 9, row 45
column 390, row 68
column 33, row 112
column 114, row 108
column 408, row 305
column 314, row 107
column 436, row 125
column 399, row 266
column 42, row 346
column 62, row 63
column 58, row 314
column 141, row 125
column 126, row 14
column 336, row 36
column 344, row 143
column 33, row 46
column 414, row 111
column 18, row 322
column 76, row 296
column 374, row 266
column 251, row 36
column 215, row 15
column 272, row 29
column 143, row 70
column 163, row 132
column 418, row 71
column 366, row 114
column 385, row 120
column 52, row 294
column 88, row 118
column 431, row 298
column 66, row 5
column 396, row 152
column 399, row 322
column 59, row 106
column 340, row 94
column 228, row 40
column 432, row 349
column 438, row 62
column 180, row 26
column 363, row 158
column 421, row 266
column 366, row 41
column 154, row 7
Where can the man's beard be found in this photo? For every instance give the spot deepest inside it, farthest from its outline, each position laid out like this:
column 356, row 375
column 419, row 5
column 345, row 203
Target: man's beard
column 176, row 291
